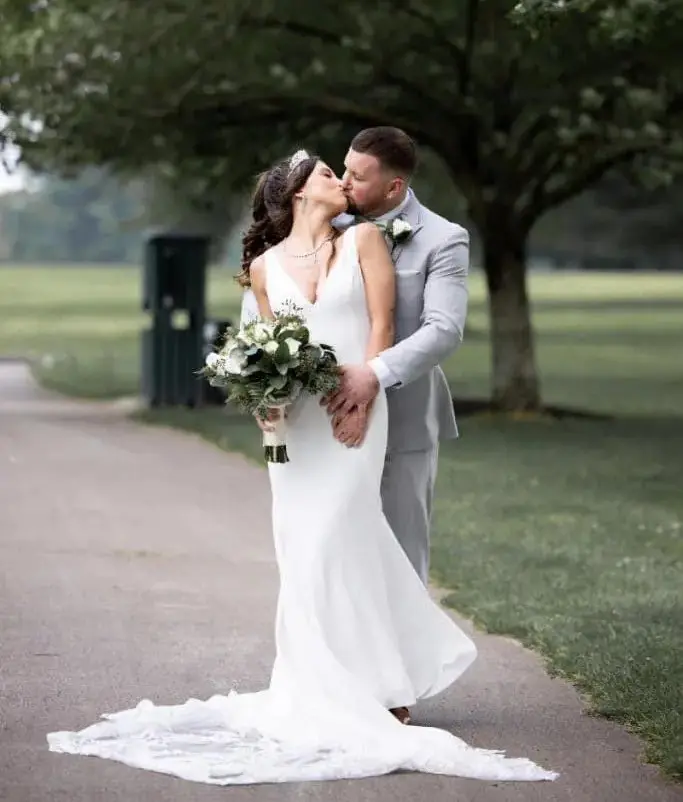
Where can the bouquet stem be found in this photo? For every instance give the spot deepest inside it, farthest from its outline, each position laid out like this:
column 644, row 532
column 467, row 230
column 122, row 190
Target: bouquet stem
column 276, row 454
column 275, row 442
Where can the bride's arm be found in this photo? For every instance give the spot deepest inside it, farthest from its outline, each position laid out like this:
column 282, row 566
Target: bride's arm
column 350, row 423
column 257, row 276
column 380, row 287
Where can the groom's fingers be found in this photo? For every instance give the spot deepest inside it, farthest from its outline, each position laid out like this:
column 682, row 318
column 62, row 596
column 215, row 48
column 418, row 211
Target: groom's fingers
column 330, row 401
column 340, row 404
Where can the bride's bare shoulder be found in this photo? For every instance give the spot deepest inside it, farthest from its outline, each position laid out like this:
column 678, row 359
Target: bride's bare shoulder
column 257, row 270
column 367, row 232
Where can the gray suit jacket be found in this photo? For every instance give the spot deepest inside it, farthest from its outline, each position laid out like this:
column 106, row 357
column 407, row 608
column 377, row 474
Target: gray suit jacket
column 431, row 307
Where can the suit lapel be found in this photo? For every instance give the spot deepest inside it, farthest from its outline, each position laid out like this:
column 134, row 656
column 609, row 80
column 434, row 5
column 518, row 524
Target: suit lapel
column 413, row 215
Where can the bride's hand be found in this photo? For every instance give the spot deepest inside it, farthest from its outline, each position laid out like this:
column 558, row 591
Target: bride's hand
column 350, row 428
column 267, row 424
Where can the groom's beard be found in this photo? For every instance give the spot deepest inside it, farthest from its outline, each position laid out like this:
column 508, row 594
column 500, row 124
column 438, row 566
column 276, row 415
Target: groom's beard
column 356, row 211
column 352, row 208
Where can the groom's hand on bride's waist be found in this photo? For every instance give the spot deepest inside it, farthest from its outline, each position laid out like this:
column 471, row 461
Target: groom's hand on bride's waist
column 359, row 385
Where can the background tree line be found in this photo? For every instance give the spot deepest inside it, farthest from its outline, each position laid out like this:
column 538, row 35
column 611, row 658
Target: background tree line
column 95, row 218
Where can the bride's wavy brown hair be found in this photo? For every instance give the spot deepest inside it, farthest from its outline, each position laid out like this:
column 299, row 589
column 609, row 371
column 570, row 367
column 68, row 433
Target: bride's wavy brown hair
column 272, row 210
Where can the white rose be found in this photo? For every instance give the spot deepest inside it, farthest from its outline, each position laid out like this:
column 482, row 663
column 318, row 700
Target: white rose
column 293, row 346
column 235, row 361
column 262, row 332
column 212, row 360
column 271, row 346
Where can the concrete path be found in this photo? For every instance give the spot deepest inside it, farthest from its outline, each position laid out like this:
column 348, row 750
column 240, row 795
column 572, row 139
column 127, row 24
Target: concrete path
column 136, row 562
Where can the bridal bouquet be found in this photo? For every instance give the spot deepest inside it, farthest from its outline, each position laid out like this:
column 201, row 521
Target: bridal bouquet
column 266, row 365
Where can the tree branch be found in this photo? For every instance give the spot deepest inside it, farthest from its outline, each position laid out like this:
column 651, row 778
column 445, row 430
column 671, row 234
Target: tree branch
column 532, row 151
column 436, row 29
column 468, row 53
column 326, row 37
column 542, row 199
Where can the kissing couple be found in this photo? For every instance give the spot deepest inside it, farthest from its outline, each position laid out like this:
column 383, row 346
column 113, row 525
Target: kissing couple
column 359, row 640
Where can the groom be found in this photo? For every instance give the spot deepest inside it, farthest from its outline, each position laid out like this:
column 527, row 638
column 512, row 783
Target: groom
column 431, row 305
column 431, row 257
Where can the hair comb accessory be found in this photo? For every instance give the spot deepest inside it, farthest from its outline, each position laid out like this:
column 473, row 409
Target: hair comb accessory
column 297, row 158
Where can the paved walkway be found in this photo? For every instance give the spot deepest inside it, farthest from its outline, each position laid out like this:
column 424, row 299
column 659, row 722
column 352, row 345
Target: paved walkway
column 136, row 562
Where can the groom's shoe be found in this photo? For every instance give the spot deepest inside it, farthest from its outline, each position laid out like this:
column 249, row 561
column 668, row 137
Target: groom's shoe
column 401, row 713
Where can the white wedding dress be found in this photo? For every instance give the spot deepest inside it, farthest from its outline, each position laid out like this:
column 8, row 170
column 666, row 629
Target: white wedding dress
column 356, row 631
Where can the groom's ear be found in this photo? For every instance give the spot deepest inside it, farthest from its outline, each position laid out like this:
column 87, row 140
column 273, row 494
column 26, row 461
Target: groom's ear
column 396, row 187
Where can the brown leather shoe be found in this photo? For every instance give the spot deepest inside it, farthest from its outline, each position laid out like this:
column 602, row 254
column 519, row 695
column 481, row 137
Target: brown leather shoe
column 401, row 713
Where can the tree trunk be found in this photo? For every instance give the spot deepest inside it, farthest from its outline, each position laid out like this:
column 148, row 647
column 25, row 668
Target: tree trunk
column 515, row 380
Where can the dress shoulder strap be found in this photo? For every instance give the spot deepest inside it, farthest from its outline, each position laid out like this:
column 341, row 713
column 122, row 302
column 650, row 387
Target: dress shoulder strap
column 349, row 244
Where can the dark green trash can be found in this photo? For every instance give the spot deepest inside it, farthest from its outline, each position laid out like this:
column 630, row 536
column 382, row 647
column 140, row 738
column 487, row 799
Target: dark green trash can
column 174, row 286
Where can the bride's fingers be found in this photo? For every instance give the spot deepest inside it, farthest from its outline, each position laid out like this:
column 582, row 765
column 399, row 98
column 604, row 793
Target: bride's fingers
column 350, row 434
column 337, row 420
column 341, row 433
column 264, row 425
column 358, row 439
column 329, row 400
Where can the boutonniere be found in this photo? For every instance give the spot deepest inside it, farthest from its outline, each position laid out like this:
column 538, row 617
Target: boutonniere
column 398, row 230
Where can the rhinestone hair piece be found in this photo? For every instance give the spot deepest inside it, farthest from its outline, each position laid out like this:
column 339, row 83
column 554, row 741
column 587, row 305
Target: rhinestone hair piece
column 297, row 158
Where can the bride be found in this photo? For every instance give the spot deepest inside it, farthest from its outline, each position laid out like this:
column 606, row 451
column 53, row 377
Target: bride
column 358, row 638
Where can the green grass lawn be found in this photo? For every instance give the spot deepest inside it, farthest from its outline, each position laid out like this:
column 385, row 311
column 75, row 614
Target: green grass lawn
column 567, row 535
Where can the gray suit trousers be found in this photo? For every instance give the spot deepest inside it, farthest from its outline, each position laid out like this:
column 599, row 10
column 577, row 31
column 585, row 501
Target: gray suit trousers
column 407, row 492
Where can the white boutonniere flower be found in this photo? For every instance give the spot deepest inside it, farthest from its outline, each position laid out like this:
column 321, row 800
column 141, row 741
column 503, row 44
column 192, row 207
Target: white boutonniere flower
column 401, row 230
column 397, row 230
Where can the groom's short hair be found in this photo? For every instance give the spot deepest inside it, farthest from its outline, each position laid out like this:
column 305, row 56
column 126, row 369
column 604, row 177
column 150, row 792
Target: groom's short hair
column 392, row 147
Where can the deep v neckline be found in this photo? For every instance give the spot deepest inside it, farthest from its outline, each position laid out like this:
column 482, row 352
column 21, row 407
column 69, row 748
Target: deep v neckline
column 318, row 289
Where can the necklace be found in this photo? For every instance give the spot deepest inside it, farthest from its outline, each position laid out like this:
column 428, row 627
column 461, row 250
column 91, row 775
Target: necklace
column 314, row 253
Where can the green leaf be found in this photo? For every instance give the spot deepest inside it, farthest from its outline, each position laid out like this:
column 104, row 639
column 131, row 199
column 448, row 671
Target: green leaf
column 281, row 356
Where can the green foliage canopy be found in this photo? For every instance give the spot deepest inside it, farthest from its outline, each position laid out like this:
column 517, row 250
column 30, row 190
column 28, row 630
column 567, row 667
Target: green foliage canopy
column 525, row 104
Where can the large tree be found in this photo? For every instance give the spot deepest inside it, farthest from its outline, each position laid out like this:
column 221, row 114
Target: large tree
column 525, row 104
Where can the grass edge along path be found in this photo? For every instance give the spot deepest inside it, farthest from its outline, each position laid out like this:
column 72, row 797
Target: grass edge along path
column 531, row 553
